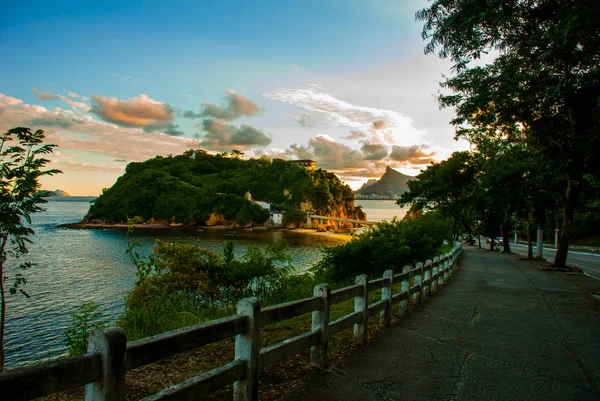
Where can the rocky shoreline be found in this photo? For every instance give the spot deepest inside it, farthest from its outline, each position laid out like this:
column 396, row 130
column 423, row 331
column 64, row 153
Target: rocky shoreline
column 164, row 226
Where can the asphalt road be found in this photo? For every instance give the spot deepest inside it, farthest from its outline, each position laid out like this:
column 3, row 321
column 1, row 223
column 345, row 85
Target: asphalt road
column 589, row 262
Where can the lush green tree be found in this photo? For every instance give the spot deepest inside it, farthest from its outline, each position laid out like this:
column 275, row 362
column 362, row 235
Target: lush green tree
column 22, row 156
column 545, row 79
column 188, row 188
column 448, row 188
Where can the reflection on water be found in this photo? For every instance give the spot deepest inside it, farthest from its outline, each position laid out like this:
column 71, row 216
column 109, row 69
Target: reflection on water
column 381, row 210
column 76, row 266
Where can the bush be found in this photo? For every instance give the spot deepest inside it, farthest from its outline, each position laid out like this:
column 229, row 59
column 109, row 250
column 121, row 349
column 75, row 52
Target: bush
column 184, row 284
column 387, row 246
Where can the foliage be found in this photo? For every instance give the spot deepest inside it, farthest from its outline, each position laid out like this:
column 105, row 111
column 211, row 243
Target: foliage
column 22, row 165
column 387, row 246
column 447, row 187
column 545, row 83
column 82, row 323
column 191, row 187
column 186, row 284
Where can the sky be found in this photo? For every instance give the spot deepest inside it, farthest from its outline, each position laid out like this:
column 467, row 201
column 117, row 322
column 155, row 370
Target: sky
column 341, row 82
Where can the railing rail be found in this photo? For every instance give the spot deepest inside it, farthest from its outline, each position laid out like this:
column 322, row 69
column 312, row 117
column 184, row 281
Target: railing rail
column 109, row 355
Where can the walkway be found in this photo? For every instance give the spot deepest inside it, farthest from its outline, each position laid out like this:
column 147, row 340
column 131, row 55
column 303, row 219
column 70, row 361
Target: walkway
column 499, row 330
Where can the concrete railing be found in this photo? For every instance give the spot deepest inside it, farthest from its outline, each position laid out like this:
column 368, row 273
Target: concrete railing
column 109, row 355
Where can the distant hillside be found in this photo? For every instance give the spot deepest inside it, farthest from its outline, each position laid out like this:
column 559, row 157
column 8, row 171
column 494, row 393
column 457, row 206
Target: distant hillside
column 200, row 188
column 390, row 181
column 367, row 184
column 49, row 194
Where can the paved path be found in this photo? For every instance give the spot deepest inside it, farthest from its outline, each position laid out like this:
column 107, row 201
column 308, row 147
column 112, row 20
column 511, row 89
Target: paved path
column 499, row 330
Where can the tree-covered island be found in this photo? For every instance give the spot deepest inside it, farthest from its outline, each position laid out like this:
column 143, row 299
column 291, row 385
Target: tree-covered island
column 198, row 188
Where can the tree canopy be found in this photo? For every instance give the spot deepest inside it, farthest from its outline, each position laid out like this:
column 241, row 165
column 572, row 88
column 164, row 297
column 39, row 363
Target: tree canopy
column 543, row 86
column 188, row 188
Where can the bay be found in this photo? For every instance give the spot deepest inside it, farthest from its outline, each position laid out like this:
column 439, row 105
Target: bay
column 76, row 266
column 381, row 210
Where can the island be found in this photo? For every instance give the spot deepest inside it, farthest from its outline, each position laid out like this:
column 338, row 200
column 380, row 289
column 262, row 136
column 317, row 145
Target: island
column 44, row 193
column 197, row 188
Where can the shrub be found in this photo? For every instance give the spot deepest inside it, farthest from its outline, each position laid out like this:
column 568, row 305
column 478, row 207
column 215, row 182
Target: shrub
column 82, row 323
column 387, row 246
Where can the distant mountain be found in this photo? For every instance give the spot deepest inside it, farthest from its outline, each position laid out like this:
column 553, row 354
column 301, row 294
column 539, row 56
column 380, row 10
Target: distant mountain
column 390, row 181
column 49, row 194
column 366, row 184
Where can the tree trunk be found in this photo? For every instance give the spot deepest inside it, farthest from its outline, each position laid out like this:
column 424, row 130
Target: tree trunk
column 2, row 316
column 560, row 260
column 539, row 249
column 529, row 242
column 505, row 234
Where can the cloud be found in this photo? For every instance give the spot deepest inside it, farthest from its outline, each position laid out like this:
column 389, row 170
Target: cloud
column 44, row 96
column 120, row 160
column 138, row 111
column 82, row 133
column 329, row 154
column 307, row 121
column 374, row 151
column 355, row 135
column 74, row 95
column 83, row 166
column 142, row 112
column 416, row 155
column 48, row 96
column 221, row 135
column 8, row 101
column 389, row 125
column 185, row 94
column 369, row 161
column 58, row 119
column 236, row 106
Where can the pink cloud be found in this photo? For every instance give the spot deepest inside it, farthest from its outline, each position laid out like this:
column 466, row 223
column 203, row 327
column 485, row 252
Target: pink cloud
column 138, row 111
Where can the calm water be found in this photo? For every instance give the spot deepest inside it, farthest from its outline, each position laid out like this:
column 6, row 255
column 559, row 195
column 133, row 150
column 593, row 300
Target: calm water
column 76, row 266
column 380, row 210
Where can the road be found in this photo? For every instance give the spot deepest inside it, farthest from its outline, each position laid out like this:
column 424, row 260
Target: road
column 589, row 262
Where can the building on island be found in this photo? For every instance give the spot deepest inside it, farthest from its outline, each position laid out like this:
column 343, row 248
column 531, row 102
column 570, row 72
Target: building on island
column 307, row 164
column 275, row 216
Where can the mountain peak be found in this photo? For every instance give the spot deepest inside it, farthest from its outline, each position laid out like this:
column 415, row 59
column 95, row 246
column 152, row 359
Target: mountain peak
column 391, row 181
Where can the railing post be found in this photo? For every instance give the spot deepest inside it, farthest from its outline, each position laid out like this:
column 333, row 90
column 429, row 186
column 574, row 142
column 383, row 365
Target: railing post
column 441, row 271
column 419, row 282
column 434, row 275
column 320, row 323
column 361, row 304
column 247, row 348
column 386, row 294
column 452, row 259
column 446, row 267
column 111, row 344
column 405, row 289
column 426, row 280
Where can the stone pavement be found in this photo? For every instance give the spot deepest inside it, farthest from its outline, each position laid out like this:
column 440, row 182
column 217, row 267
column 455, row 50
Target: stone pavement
column 498, row 330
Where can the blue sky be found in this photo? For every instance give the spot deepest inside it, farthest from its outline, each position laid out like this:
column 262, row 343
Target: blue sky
column 342, row 82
